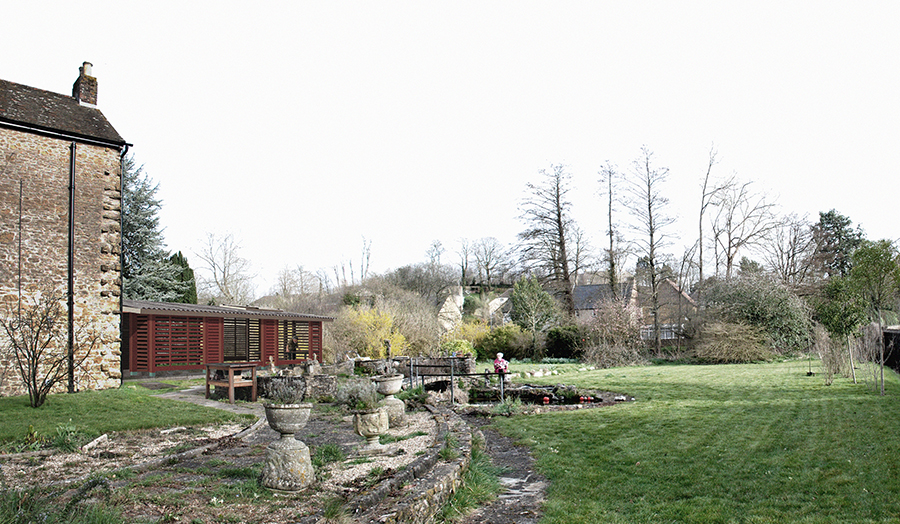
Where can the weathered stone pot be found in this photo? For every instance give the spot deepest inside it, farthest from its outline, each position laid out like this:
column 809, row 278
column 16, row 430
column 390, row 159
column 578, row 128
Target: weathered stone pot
column 287, row 419
column 288, row 466
column 371, row 424
column 389, row 385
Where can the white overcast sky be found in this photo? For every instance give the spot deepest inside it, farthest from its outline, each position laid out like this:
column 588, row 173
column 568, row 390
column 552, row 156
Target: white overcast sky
column 304, row 127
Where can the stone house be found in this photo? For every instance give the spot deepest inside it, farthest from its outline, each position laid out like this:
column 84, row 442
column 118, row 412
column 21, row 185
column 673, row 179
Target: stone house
column 675, row 306
column 60, row 224
column 589, row 297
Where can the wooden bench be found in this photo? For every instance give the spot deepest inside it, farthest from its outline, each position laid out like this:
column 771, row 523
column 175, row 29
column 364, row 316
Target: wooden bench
column 231, row 377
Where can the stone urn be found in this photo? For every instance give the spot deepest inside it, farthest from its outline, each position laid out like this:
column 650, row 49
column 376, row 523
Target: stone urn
column 288, row 467
column 389, row 385
column 371, row 424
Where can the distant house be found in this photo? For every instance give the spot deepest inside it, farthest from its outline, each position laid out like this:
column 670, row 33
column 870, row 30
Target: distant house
column 60, row 203
column 164, row 337
column 675, row 306
column 590, row 298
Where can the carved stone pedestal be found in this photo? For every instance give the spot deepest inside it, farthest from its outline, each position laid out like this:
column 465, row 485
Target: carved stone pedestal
column 288, row 466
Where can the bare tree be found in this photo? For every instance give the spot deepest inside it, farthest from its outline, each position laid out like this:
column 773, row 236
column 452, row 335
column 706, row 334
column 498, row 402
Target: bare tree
column 608, row 178
column 364, row 259
column 545, row 244
column 435, row 250
column 465, row 251
column 582, row 253
column 743, row 220
column 297, row 281
column 490, row 257
column 647, row 205
column 708, row 197
column 789, row 252
column 36, row 337
column 228, row 278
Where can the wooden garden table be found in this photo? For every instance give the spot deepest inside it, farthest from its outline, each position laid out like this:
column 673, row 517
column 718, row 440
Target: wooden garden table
column 232, row 378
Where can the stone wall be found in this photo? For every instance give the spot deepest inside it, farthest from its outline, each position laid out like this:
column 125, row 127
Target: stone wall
column 40, row 167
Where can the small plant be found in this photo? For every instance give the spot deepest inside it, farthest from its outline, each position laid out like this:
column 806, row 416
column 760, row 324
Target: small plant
column 448, row 454
column 67, row 438
column 284, row 392
column 414, row 396
column 481, row 484
column 32, row 441
column 374, row 476
column 335, row 512
column 389, row 439
column 326, row 454
column 510, row 406
column 449, row 451
column 358, row 394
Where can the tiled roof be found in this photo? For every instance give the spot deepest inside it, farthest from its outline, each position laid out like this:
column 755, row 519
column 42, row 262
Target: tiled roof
column 146, row 307
column 47, row 111
column 592, row 296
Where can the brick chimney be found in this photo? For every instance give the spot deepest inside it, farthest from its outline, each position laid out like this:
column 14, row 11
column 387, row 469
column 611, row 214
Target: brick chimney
column 85, row 88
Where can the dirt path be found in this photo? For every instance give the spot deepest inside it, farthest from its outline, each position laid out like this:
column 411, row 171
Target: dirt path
column 523, row 497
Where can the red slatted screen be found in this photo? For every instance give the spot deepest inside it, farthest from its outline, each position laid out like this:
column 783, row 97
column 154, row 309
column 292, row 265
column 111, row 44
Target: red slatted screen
column 315, row 340
column 177, row 342
column 212, row 340
column 140, row 343
column 269, row 340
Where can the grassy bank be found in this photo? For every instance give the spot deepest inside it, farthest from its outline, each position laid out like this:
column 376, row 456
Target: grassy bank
column 93, row 413
column 748, row 443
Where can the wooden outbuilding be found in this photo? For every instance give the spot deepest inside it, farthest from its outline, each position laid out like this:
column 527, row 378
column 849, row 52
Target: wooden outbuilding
column 164, row 337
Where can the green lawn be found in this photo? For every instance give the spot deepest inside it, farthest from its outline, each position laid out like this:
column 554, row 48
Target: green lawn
column 741, row 443
column 96, row 412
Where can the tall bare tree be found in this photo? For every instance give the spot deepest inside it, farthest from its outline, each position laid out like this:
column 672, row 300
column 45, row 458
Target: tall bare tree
column 743, row 220
column 545, row 244
column 228, row 278
column 647, row 205
column 707, row 198
column 790, row 251
column 609, row 178
column 490, row 257
column 465, row 251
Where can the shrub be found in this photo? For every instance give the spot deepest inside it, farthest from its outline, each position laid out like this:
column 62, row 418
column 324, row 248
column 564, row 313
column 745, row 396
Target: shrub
column 508, row 339
column 765, row 303
column 357, row 393
column 414, row 397
column 363, row 330
column 565, row 342
column 472, row 330
column 732, row 343
column 613, row 337
column 457, row 347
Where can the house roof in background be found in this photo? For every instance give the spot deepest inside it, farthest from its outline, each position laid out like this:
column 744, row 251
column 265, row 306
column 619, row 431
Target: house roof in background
column 592, row 295
column 55, row 113
column 146, row 307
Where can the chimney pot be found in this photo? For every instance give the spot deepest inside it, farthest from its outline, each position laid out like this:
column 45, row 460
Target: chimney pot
column 86, row 69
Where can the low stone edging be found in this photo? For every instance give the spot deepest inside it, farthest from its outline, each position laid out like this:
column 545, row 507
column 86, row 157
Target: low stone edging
column 416, row 495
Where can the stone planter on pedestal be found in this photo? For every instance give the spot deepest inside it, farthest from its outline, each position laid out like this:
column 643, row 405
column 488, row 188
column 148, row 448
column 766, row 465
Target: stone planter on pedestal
column 371, row 424
column 389, row 385
column 288, row 466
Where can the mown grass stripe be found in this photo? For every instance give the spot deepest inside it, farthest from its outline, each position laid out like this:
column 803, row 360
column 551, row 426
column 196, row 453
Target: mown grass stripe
column 745, row 443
